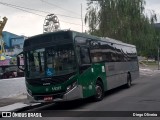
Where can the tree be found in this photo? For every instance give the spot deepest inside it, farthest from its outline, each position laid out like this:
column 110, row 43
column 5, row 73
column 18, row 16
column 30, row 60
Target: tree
column 124, row 20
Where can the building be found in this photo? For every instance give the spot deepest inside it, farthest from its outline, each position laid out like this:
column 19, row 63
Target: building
column 13, row 43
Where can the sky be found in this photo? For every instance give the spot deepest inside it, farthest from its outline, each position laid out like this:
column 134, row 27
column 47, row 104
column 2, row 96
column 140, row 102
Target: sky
column 153, row 5
column 28, row 24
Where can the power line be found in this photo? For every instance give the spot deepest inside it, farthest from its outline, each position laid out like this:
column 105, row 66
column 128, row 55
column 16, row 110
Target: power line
column 21, row 8
column 24, row 9
column 7, row 4
column 58, row 7
column 70, row 23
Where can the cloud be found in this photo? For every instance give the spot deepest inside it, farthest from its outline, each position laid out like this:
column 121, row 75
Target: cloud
column 24, row 24
column 20, row 22
column 153, row 5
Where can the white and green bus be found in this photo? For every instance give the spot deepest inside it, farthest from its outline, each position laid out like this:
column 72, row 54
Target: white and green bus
column 68, row 65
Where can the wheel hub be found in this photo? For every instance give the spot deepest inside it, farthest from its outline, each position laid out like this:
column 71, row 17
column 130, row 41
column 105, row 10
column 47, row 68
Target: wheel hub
column 99, row 91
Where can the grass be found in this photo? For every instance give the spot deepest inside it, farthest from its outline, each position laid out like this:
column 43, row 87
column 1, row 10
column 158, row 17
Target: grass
column 149, row 64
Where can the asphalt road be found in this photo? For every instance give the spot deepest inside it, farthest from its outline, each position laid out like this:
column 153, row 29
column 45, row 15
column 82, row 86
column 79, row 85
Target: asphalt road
column 144, row 95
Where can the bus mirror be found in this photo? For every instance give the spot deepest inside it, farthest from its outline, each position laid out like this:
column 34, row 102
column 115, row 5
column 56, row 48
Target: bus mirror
column 81, row 54
column 20, row 61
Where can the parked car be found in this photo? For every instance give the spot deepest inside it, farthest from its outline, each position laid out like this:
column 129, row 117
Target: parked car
column 10, row 72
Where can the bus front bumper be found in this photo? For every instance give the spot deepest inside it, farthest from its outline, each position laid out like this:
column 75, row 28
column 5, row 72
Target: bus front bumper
column 73, row 94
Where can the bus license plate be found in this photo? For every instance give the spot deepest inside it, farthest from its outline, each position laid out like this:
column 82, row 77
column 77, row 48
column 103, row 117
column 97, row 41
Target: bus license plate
column 48, row 98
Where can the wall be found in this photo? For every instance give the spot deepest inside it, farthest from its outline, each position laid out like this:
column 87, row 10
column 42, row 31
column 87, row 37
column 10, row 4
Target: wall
column 14, row 43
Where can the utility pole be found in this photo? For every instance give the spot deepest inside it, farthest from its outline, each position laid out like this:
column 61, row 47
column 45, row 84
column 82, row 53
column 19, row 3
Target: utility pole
column 158, row 58
column 82, row 16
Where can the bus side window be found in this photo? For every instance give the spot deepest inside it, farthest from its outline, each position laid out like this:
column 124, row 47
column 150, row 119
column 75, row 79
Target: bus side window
column 85, row 56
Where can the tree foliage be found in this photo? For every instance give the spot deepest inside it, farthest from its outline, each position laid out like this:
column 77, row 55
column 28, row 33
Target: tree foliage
column 123, row 20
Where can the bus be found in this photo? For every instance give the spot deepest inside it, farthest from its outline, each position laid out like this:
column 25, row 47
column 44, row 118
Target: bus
column 68, row 65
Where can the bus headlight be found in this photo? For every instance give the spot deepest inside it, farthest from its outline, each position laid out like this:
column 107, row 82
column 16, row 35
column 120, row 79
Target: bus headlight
column 70, row 87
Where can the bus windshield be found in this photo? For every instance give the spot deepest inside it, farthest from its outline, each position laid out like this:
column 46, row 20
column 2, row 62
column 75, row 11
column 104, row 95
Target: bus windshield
column 51, row 61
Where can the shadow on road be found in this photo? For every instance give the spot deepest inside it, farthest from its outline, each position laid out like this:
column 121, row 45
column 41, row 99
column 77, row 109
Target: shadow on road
column 77, row 104
column 117, row 90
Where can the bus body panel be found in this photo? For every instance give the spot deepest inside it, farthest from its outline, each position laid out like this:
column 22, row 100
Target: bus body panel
column 89, row 77
column 117, row 73
column 38, row 92
column 111, row 73
column 75, row 93
column 58, row 91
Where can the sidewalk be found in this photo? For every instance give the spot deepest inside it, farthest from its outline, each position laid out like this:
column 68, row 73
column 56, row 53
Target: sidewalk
column 8, row 101
column 18, row 103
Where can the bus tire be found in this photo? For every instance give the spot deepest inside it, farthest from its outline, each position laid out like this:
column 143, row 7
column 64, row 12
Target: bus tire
column 129, row 81
column 99, row 91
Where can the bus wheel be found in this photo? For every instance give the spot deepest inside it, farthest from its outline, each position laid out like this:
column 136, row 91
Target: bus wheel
column 99, row 91
column 129, row 81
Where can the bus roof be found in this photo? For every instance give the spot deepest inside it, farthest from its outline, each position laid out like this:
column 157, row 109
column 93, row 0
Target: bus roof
column 105, row 39
column 46, row 34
